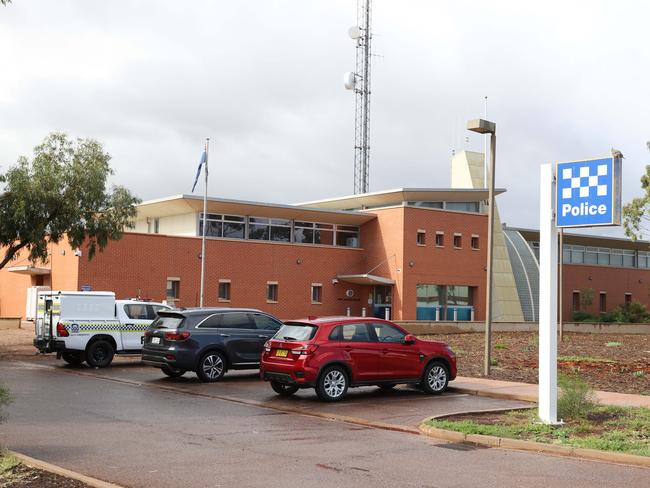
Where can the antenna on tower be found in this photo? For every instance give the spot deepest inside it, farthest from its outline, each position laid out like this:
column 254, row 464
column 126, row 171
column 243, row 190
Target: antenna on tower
column 359, row 82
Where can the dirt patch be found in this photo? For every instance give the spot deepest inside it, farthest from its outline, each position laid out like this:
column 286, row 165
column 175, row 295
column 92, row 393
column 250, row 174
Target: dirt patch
column 597, row 358
column 22, row 476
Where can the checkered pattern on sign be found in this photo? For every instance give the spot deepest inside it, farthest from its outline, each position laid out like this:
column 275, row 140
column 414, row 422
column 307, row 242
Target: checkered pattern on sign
column 582, row 181
column 104, row 327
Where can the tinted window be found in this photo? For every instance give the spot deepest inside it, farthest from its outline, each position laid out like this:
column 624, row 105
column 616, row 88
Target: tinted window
column 388, row 333
column 237, row 320
column 351, row 333
column 265, row 322
column 212, row 322
column 138, row 311
column 295, row 332
column 168, row 322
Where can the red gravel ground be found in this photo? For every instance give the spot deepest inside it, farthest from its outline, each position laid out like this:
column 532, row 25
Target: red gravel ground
column 609, row 362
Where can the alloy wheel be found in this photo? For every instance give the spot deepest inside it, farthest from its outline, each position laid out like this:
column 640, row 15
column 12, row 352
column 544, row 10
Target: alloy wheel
column 437, row 378
column 334, row 383
column 212, row 366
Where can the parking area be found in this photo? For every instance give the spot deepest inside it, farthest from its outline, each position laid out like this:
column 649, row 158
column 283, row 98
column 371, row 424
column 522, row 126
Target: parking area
column 129, row 425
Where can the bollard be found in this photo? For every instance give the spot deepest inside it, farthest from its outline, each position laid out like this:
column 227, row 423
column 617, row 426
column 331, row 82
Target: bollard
column 471, row 314
column 347, row 311
column 363, row 311
column 387, row 313
column 436, row 314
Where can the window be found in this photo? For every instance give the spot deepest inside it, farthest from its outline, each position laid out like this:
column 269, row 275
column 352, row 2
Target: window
column 264, row 322
column 576, row 301
column 347, row 235
column 440, row 239
column 421, row 238
column 296, row 332
column 458, row 241
column 462, row 206
column 603, row 302
column 269, row 229
column 173, row 289
column 237, row 320
column 313, row 233
column 628, row 298
column 156, row 226
column 429, row 295
column 212, row 322
column 351, row 333
column 388, row 333
column 316, row 293
column 224, row 290
column 459, row 295
column 271, row 291
column 474, row 242
column 216, row 225
column 591, row 255
column 141, row 311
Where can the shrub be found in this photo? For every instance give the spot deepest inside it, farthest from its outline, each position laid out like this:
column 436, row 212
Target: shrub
column 5, row 399
column 579, row 316
column 633, row 312
column 576, row 399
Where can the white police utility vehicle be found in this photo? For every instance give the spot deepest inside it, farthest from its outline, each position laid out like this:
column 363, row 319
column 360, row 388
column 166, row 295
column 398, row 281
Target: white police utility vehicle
column 91, row 326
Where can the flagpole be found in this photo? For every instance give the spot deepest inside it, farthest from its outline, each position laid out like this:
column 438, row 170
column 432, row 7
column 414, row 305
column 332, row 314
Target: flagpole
column 205, row 211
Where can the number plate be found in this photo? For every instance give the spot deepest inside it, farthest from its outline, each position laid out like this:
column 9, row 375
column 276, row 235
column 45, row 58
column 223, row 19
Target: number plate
column 155, row 340
column 281, row 353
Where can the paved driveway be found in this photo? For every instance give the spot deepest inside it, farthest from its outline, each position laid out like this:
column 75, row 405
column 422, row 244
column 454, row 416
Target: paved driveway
column 126, row 425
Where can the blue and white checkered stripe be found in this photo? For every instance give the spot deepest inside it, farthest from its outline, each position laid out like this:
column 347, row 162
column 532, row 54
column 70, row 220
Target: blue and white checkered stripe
column 94, row 327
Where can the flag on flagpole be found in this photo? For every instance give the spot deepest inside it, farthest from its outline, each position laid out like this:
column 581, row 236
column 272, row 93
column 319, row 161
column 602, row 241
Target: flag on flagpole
column 204, row 158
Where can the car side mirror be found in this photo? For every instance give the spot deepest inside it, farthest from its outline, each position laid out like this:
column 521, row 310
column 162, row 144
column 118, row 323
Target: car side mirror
column 409, row 339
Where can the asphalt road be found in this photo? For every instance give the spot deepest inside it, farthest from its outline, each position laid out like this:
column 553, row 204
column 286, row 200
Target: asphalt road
column 128, row 426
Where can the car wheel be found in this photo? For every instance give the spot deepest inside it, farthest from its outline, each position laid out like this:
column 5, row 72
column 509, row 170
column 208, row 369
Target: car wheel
column 212, row 367
column 172, row 372
column 73, row 358
column 332, row 384
column 100, row 354
column 387, row 387
column 435, row 378
column 283, row 389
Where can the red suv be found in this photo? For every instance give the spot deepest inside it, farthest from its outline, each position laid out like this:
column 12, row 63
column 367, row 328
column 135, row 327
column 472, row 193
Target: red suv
column 331, row 354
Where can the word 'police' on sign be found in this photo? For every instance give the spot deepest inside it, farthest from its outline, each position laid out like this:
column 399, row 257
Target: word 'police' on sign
column 589, row 193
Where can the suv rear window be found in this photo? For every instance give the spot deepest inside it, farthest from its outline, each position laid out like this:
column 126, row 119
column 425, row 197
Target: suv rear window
column 168, row 322
column 296, row 332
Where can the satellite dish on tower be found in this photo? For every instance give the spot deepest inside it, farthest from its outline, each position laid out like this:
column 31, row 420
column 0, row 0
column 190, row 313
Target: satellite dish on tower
column 349, row 80
column 355, row 32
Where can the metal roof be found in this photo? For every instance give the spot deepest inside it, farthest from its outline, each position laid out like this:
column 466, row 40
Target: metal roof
column 399, row 195
column 180, row 204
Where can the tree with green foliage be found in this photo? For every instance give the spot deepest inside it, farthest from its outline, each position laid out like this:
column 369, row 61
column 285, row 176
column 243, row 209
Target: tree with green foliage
column 635, row 214
column 61, row 192
column 586, row 298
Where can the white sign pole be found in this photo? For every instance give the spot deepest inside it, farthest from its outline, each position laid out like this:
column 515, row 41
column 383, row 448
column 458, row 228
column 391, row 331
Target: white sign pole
column 548, row 244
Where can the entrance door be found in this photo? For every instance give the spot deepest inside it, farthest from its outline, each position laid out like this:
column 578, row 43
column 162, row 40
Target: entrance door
column 382, row 298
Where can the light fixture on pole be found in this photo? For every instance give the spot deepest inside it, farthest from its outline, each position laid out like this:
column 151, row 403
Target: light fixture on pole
column 486, row 127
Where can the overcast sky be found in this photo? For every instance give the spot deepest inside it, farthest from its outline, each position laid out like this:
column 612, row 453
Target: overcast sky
column 152, row 79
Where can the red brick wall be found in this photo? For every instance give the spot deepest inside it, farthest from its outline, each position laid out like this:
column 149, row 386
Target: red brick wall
column 443, row 266
column 614, row 281
column 141, row 263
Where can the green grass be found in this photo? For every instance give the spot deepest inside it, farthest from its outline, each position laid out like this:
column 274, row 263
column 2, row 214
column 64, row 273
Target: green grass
column 7, row 461
column 639, row 374
column 501, row 345
column 619, row 429
column 584, row 359
column 614, row 344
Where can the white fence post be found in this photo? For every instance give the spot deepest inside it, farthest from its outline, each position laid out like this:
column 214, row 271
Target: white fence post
column 363, row 311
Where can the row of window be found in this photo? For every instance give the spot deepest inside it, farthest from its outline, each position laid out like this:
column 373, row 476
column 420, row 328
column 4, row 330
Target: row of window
column 440, row 239
column 279, row 230
column 443, row 295
column 602, row 301
column 223, row 294
column 473, row 207
column 601, row 256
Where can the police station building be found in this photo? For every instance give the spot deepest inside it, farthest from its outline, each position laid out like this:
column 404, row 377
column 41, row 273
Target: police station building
column 407, row 253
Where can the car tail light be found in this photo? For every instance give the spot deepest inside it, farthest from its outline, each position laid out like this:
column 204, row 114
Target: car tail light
column 176, row 336
column 304, row 350
column 61, row 331
column 267, row 346
column 147, row 333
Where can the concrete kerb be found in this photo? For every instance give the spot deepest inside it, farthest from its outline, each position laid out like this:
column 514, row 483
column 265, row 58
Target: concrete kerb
column 51, row 468
column 531, row 446
column 494, row 394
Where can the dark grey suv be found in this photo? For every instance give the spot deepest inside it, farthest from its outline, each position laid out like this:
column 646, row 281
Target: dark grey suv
column 208, row 341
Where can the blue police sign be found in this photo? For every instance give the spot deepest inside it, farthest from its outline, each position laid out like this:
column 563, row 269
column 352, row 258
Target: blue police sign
column 589, row 193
